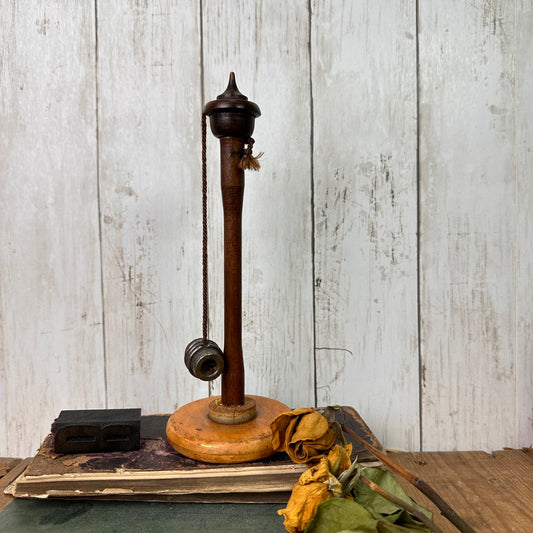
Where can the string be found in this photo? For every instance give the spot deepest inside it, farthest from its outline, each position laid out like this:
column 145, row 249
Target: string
column 249, row 161
column 205, row 279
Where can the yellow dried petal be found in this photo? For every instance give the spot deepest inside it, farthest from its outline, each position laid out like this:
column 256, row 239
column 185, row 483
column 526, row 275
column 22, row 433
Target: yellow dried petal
column 315, row 485
column 344, row 453
column 335, row 487
column 317, row 473
column 303, row 451
column 312, row 426
column 280, row 426
column 302, row 505
column 303, row 434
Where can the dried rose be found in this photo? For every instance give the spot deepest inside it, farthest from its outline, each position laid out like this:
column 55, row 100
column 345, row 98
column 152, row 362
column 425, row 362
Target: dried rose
column 311, row 489
column 302, row 433
column 314, row 486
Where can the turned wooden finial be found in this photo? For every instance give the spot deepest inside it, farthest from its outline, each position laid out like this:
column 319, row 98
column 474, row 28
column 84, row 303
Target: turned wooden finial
column 232, row 114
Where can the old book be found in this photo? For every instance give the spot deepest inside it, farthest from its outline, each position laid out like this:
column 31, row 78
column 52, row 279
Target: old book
column 157, row 473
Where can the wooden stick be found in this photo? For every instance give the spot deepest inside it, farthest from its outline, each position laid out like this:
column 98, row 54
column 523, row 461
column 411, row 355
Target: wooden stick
column 232, row 119
column 232, row 184
column 420, row 484
column 408, row 507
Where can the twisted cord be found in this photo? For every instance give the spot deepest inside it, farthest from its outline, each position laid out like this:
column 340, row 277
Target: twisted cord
column 205, row 278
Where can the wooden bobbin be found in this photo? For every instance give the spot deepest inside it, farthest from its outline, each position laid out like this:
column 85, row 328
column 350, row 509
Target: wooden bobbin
column 232, row 428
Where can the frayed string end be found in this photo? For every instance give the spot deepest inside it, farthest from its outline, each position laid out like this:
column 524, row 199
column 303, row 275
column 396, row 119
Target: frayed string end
column 249, row 161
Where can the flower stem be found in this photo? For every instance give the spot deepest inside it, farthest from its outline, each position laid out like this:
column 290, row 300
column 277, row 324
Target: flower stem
column 419, row 515
column 420, row 484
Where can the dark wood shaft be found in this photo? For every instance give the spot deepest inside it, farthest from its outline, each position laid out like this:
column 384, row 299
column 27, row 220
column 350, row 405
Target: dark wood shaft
column 232, row 118
column 232, row 182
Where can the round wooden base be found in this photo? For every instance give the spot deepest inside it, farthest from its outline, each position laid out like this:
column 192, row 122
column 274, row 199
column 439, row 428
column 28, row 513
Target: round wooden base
column 192, row 433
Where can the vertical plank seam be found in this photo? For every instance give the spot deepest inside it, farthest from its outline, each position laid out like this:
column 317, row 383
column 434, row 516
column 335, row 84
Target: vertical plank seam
column 202, row 76
column 312, row 192
column 418, row 238
column 98, row 194
column 517, row 231
column 210, row 384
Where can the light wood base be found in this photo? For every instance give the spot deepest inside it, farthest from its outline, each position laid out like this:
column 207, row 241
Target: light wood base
column 192, row 433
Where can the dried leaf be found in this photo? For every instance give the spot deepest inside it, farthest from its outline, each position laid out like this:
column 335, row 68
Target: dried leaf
column 340, row 514
column 376, row 503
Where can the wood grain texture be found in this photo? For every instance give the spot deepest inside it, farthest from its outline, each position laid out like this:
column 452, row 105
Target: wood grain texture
column 337, row 85
column 492, row 492
column 524, row 194
column 468, row 242
column 7, row 479
column 265, row 43
column 364, row 94
column 51, row 311
column 150, row 190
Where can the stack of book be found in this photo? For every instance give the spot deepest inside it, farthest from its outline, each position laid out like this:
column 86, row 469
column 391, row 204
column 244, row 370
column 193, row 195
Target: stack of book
column 156, row 472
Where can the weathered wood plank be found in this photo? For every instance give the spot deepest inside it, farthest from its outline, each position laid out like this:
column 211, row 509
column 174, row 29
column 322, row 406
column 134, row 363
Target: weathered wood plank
column 467, row 219
column 13, row 474
column 265, row 43
column 524, row 172
column 492, row 492
column 364, row 94
column 51, row 313
column 149, row 119
column 476, row 225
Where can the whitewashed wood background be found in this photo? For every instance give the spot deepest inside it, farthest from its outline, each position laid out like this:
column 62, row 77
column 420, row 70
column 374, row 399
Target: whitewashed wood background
column 388, row 237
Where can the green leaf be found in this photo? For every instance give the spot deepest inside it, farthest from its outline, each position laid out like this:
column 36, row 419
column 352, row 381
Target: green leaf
column 402, row 518
column 376, row 503
column 387, row 527
column 406, row 519
column 339, row 514
column 395, row 517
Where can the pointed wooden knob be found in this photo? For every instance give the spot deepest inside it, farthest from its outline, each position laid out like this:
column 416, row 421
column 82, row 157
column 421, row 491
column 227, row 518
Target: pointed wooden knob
column 232, row 114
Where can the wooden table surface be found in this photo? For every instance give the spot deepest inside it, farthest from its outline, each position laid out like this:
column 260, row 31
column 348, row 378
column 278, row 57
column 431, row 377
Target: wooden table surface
column 493, row 492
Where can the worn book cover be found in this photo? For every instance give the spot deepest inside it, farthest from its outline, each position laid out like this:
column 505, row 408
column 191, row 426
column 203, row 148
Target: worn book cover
column 156, row 472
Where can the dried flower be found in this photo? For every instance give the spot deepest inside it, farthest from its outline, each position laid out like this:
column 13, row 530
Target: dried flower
column 311, row 489
column 339, row 459
column 303, row 433
column 314, row 486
